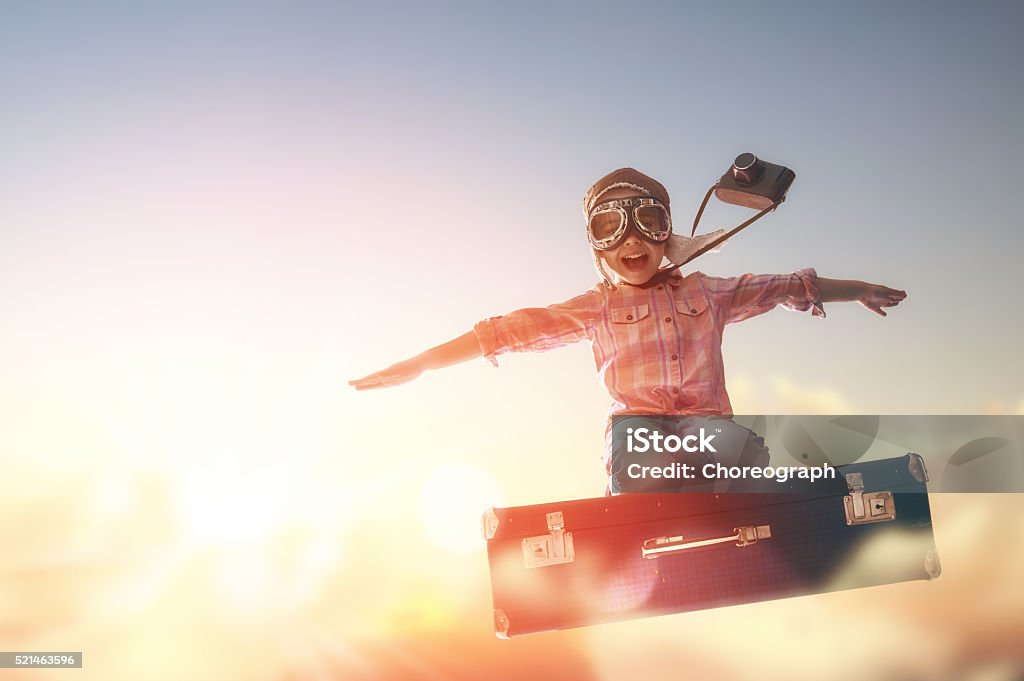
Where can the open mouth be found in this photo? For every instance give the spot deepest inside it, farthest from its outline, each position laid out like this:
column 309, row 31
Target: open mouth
column 635, row 263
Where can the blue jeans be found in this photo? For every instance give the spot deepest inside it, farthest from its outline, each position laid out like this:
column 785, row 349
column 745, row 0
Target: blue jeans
column 733, row 444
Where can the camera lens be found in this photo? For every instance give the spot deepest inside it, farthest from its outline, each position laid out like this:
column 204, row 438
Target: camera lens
column 747, row 168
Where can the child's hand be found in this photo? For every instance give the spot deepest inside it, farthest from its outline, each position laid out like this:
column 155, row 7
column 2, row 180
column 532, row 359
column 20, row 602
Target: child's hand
column 396, row 374
column 460, row 349
column 875, row 296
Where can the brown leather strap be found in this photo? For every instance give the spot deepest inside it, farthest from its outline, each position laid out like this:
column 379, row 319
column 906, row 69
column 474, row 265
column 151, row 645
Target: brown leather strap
column 663, row 273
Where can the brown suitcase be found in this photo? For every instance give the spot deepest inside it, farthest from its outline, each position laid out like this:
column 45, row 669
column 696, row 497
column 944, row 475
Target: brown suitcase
column 574, row 563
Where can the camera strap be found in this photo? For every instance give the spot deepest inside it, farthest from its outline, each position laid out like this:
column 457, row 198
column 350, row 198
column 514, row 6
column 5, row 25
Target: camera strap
column 663, row 273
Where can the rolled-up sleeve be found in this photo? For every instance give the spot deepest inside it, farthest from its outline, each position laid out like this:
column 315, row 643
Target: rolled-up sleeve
column 746, row 296
column 536, row 329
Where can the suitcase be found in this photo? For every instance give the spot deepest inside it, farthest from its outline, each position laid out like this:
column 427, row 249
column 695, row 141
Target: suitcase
column 588, row 561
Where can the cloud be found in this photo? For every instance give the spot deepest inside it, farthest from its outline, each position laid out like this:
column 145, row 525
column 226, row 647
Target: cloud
column 781, row 395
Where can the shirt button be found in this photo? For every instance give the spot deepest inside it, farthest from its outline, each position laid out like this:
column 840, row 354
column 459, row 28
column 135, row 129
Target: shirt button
column 661, row 288
column 693, row 310
column 629, row 317
column 675, row 391
column 674, row 357
column 668, row 319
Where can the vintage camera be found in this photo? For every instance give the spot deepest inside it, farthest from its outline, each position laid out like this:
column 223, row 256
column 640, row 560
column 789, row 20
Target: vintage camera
column 754, row 183
column 751, row 183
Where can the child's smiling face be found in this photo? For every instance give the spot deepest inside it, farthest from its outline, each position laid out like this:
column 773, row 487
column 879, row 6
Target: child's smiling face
column 636, row 259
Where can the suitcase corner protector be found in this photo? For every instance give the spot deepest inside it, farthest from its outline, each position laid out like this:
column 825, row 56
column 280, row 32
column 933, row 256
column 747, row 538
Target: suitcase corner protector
column 932, row 565
column 501, row 623
column 917, row 467
column 489, row 523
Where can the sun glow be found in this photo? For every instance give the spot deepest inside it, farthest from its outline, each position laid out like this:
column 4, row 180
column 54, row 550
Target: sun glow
column 451, row 502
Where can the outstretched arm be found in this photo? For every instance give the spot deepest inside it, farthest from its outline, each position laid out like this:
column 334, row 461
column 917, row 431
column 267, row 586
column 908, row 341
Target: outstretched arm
column 461, row 349
column 872, row 296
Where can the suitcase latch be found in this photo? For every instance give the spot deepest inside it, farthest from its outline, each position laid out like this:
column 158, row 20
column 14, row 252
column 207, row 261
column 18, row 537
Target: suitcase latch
column 867, row 507
column 552, row 548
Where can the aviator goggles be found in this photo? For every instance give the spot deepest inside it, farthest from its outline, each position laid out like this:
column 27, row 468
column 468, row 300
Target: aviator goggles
column 609, row 222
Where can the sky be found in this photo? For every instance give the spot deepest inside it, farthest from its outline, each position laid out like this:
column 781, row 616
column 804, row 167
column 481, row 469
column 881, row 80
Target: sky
column 213, row 215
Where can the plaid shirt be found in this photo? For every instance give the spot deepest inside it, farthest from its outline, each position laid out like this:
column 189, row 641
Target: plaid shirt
column 658, row 350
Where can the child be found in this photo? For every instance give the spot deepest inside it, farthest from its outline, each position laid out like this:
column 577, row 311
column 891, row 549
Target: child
column 656, row 335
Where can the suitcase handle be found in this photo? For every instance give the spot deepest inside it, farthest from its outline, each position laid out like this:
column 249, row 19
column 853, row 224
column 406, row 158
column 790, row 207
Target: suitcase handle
column 745, row 536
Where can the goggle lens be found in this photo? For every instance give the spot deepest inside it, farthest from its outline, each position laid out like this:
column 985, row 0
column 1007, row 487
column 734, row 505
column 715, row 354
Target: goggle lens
column 606, row 225
column 653, row 220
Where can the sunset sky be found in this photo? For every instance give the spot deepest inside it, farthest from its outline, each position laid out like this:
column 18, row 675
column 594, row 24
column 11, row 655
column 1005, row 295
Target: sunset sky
column 213, row 215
